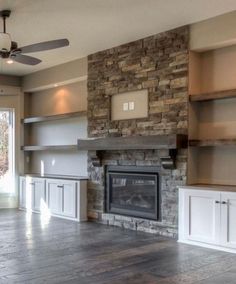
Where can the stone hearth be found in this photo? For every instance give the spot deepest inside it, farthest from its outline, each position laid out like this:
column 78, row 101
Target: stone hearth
column 159, row 64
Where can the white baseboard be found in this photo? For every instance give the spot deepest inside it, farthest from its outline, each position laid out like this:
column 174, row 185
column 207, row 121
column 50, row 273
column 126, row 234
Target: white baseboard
column 8, row 202
column 54, row 215
column 215, row 247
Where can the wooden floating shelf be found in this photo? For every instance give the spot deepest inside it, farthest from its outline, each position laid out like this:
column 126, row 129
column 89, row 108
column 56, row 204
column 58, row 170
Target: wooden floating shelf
column 212, row 142
column 172, row 141
column 213, row 96
column 53, row 117
column 49, row 148
column 168, row 142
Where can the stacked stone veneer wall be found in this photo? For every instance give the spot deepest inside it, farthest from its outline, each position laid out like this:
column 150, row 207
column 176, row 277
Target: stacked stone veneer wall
column 159, row 64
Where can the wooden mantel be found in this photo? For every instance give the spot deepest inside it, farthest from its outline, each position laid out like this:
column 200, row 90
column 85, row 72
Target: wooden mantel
column 171, row 142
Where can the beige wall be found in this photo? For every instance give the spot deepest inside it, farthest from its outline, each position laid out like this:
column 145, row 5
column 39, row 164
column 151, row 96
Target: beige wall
column 68, row 98
column 213, row 119
column 61, row 74
column 213, row 33
column 219, row 69
column 215, row 165
column 194, row 72
column 10, row 80
column 213, row 70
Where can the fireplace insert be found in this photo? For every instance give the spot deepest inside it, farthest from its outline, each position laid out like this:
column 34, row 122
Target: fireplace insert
column 133, row 191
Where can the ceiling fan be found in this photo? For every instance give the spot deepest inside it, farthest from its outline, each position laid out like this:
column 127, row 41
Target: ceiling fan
column 9, row 49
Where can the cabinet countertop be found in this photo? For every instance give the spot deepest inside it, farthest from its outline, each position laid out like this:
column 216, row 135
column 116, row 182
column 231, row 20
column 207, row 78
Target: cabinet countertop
column 214, row 187
column 56, row 176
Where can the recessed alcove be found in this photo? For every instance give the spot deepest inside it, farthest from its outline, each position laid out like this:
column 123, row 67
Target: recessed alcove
column 212, row 117
column 212, row 70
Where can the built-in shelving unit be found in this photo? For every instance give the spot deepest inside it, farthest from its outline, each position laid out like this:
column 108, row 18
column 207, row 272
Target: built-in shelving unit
column 53, row 117
column 212, row 117
column 49, row 118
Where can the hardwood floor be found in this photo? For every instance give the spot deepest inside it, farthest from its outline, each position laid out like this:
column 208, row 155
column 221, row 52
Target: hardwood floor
column 35, row 250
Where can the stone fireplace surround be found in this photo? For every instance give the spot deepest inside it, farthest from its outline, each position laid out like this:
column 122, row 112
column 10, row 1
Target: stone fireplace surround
column 159, row 64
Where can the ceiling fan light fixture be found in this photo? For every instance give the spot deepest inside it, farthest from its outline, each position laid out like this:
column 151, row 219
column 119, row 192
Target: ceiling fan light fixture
column 5, row 42
column 10, row 61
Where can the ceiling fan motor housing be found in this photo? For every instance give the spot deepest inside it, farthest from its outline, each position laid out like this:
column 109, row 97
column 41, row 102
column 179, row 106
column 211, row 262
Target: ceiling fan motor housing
column 5, row 43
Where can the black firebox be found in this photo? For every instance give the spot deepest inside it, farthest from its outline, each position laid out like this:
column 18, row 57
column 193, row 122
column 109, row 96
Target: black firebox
column 133, row 191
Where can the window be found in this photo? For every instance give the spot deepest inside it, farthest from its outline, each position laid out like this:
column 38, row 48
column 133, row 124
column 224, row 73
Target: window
column 6, row 151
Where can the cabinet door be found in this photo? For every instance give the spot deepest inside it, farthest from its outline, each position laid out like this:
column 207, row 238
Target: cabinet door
column 29, row 193
column 202, row 216
column 54, row 192
column 39, row 194
column 69, row 199
column 228, row 213
column 22, row 193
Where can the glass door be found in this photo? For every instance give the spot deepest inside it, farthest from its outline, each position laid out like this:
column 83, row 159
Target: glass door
column 7, row 183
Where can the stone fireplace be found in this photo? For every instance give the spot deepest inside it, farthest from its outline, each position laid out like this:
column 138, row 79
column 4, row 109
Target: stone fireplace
column 159, row 64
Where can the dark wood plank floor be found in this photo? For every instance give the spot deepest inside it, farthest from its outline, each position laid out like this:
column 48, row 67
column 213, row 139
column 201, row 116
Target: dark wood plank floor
column 33, row 250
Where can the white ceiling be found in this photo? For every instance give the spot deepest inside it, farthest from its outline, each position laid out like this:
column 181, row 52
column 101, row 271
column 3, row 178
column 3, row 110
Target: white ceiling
column 93, row 25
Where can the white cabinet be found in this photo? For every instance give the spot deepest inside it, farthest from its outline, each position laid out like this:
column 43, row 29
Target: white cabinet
column 62, row 197
column 202, row 220
column 32, row 195
column 38, row 194
column 59, row 197
column 69, row 198
column 54, row 197
column 207, row 217
column 22, row 193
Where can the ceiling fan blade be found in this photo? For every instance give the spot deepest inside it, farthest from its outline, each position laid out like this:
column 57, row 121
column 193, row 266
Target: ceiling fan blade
column 47, row 45
column 24, row 59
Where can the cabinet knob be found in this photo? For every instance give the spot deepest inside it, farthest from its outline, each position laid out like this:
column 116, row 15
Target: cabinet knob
column 224, row 202
column 60, row 186
column 217, row 201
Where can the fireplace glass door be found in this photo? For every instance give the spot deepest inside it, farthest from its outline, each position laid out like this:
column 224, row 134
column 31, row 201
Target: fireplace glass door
column 133, row 194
